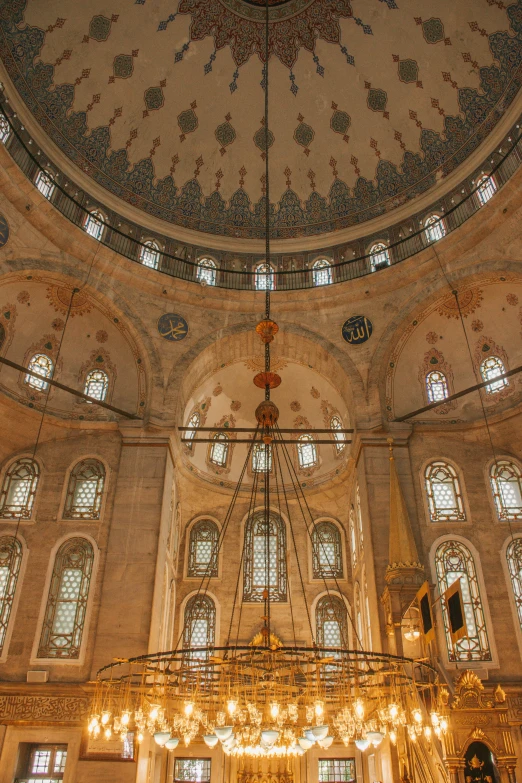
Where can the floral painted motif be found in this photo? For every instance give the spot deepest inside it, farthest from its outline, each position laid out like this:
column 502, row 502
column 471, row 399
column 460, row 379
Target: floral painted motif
column 217, row 390
column 477, row 325
column 432, row 338
column 315, row 393
column 469, row 301
column 23, row 297
column 58, row 325
column 295, row 406
column 512, row 299
column 235, row 405
column 60, row 298
column 102, row 336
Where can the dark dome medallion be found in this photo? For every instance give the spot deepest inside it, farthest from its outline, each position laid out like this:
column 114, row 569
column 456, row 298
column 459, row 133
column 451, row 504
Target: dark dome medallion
column 161, row 103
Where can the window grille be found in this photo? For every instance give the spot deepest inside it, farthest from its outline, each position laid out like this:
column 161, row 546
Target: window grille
column 322, row 272
column 453, row 561
column 506, row 484
column 331, row 622
column 85, row 490
column 514, row 561
column 327, row 559
column 219, row 450
column 379, row 256
column 340, row 440
column 264, row 278
column 149, row 254
column 435, row 228
column 19, row 489
column 94, row 224
column 11, row 554
column 337, row 770
column 259, row 461
column 436, row 386
column 206, row 271
column 96, row 385
column 306, row 452
column 264, row 558
column 353, row 538
column 5, row 130
column 192, row 770
column 486, row 189
column 194, row 421
column 444, row 493
column 44, row 184
column 46, row 764
column 491, row 368
column 43, row 366
column 199, row 629
column 64, row 617
column 203, row 549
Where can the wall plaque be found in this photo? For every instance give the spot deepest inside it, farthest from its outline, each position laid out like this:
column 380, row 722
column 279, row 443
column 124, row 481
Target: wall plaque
column 357, row 329
column 172, row 327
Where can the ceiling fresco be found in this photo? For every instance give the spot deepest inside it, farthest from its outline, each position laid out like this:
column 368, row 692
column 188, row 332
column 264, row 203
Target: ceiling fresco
column 161, row 101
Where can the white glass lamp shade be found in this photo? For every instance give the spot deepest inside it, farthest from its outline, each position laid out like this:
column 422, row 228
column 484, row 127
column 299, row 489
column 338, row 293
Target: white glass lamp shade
column 320, row 732
column 269, row 736
column 305, row 743
column 161, row 737
column 310, row 735
column 362, row 744
column 326, row 742
column 375, row 737
column 223, row 732
column 173, row 742
column 211, row 740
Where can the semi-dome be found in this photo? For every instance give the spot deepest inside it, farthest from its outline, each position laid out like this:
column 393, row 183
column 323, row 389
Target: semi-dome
column 161, row 103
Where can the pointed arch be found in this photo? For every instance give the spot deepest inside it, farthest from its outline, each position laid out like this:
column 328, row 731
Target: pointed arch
column 505, row 478
column 331, row 621
column 443, row 492
column 12, row 551
column 203, row 549
column 264, row 537
column 85, row 489
column 199, row 626
column 19, row 489
column 327, row 551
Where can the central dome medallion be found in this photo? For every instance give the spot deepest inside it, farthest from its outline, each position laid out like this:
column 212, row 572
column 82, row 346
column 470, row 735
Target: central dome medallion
column 256, row 9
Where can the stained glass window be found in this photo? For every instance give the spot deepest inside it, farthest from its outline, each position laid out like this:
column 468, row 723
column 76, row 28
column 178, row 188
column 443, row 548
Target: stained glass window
column 264, row 558
column 435, row 228
column 444, row 494
column 94, row 224
column 340, row 439
column 192, row 770
column 331, row 622
column 337, row 771
column 322, row 272
column 264, row 278
column 436, row 386
column 10, row 563
column 379, row 256
column 486, row 189
column 491, row 368
column 506, row 484
column 327, row 557
column 85, row 490
column 66, row 608
column 203, row 549
column 19, row 489
column 514, row 561
column 206, row 271
column 199, row 629
column 150, row 254
column 96, row 385
column 5, row 130
column 453, row 561
column 44, row 184
column 43, row 366
column 259, row 458
column 306, row 451
column 192, row 422
column 219, row 450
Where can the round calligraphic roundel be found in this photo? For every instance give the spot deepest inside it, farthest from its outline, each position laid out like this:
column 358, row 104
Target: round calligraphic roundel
column 357, row 329
column 4, row 230
column 172, row 327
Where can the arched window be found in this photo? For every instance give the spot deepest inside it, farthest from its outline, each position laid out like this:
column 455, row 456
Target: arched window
column 96, row 385
column 43, row 366
column 358, row 616
column 264, row 558
column 514, row 561
column 444, row 494
column 5, row 130
column 379, row 256
column 353, row 537
column 199, row 627
column 358, row 510
column 322, row 272
column 259, row 458
column 264, row 278
column 491, row 368
column 44, row 184
column 506, row 484
column 64, row 618
column 306, row 451
column 219, row 450
column 327, row 553
column 194, row 422
column 436, row 386
column 367, row 615
column 340, row 440
column 331, row 622
column 206, row 271
column 486, row 189
column 85, row 490
column 150, row 254
column 94, row 224
column 203, row 549
column 10, row 562
column 435, row 228
column 453, row 561
column 19, row 489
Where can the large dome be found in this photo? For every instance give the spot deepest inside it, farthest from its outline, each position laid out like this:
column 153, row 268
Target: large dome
column 161, row 102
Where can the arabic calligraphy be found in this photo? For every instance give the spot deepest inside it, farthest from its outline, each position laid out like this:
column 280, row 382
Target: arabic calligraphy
column 172, row 327
column 4, row 230
column 357, row 329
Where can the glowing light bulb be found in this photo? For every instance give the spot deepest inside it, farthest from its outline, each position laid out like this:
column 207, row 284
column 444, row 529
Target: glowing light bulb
column 140, row 737
column 417, row 716
column 96, row 730
column 444, row 724
column 434, row 719
column 393, row 737
column 318, row 708
column 105, row 717
column 108, row 733
column 393, row 710
column 359, row 709
column 154, row 710
column 231, row 707
column 274, row 710
column 427, row 732
column 125, row 718
column 189, row 708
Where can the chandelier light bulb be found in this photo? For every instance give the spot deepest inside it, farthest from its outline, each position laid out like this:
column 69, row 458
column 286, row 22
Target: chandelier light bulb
column 444, row 724
column 434, row 719
column 427, row 732
column 274, row 710
column 125, row 718
column 154, row 711
column 359, row 709
column 96, row 730
column 231, row 707
column 393, row 737
column 393, row 711
column 188, row 708
column 108, row 733
column 105, row 718
column 318, row 709
column 417, row 716
column 438, row 732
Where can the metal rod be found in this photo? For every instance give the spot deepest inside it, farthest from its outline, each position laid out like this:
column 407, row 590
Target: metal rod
column 249, row 440
column 253, row 429
column 460, row 394
column 62, row 386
